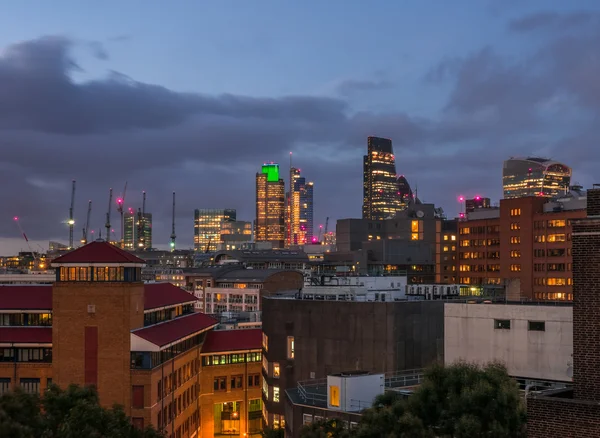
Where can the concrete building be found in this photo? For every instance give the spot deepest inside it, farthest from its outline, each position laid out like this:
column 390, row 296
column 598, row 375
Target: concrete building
column 533, row 341
column 417, row 242
column 527, row 240
column 306, row 340
column 576, row 412
column 139, row 344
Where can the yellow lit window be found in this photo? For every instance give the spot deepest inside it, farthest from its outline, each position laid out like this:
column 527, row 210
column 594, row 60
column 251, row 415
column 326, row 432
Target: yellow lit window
column 334, row 396
column 556, row 223
column 276, row 370
column 290, row 347
column 445, row 237
column 453, row 237
column 416, row 228
column 445, row 249
column 276, row 394
column 515, row 268
column 556, row 238
column 265, row 342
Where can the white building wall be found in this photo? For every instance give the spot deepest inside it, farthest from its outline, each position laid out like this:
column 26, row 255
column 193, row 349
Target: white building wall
column 470, row 335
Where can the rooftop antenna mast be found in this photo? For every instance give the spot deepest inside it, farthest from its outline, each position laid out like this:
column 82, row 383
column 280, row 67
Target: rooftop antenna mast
column 84, row 239
column 71, row 220
column 173, row 236
column 107, row 225
column 120, row 203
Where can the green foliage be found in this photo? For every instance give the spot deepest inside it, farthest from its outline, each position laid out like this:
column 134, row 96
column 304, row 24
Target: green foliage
column 273, row 433
column 459, row 401
column 71, row 413
column 331, row 428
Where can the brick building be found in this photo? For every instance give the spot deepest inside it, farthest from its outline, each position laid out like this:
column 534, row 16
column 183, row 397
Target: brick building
column 526, row 241
column 139, row 344
column 576, row 412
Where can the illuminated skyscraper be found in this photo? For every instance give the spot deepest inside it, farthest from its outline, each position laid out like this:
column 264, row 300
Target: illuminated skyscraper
column 300, row 209
column 270, row 206
column 138, row 231
column 383, row 192
column 208, row 223
column 533, row 176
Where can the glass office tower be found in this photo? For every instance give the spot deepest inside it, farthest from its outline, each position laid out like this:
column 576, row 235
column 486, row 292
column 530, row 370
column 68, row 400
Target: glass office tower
column 533, row 176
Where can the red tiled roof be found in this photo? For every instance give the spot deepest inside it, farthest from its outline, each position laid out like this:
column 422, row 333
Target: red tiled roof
column 232, row 340
column 25, row 297
column 98, row 251
column 26, row 335
column 165, row 294
column 171, row 331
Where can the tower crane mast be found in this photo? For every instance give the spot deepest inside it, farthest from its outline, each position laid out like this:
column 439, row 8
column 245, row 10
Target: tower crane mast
column 107, row 225
column 120, row 204
column 86, row 229
column 71, row 220
column 173, row 235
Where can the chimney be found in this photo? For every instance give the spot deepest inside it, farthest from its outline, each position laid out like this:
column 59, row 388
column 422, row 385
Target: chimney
column 586, row 300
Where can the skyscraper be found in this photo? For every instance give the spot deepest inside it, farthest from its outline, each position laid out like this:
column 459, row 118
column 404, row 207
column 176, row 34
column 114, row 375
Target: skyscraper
column 533, row 176
column 138, row 230
column 300, row 209
column 382, row 194
column 207, row 227
column 270, row 206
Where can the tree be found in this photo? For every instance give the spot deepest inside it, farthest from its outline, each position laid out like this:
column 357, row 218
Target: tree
column 71, row 413
column 331, row 428
column 269, row 432
column 459, row 401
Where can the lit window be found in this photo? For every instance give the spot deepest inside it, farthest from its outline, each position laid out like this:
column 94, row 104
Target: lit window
column 265, row 342
column 502, row 324
column 445, row 237
column 276, row 394
column 290, row 347
column 416, row 228
column 334, row 396
column 453, row 237
column 276, row 370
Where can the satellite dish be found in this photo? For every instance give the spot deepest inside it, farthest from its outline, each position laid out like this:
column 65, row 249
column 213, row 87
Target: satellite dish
column 420, row 213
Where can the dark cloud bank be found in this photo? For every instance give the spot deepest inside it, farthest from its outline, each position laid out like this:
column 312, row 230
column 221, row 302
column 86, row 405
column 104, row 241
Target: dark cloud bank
column 207, row 148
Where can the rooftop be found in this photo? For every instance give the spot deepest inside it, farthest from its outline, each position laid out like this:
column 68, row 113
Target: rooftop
column 232, row 340
column 25, row 335
column 167, row 333
column 39, row 297
column 98, row 251
column 258, row 275
column 259, row 255
column 30, row 297
column 157, row 295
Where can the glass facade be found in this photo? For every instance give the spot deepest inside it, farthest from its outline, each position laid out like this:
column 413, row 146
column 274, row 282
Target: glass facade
column 137, row 230
column 208, row 224
column 534, row 177
column 270, row 209
column 383, row 192
column 300, row 209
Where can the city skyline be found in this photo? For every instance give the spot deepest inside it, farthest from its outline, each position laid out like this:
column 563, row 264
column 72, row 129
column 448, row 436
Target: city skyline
column 107, row 106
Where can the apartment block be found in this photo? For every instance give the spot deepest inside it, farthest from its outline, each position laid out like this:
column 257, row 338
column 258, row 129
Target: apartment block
column 525, row 242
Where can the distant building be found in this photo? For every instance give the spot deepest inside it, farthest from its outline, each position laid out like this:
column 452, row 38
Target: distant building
column 270, row 206
column 534, row 176
column 476, row 203
column 300, row 209
column 525, row 242
column 138, row 231
column 207, row 227
column 235, row 234
column 384, row 194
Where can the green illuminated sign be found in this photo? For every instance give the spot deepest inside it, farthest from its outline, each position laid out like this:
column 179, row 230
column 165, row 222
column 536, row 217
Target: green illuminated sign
column 272, row 172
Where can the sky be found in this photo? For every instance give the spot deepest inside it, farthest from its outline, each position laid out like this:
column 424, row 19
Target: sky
column 193, row 97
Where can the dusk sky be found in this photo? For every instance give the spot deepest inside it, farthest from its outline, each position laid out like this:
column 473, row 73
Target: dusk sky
column 193, row 96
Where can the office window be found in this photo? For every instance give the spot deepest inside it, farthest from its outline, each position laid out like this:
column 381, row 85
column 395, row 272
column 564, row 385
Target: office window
column 515, row 268
column 30, row 386
column 265, row 389
column 515, row 226
column 276, row 394
column 515, row 239
column 276, row 370
column 290, row 347
column 503, row 324
column 556, row 238
column 265, row 342
column 4, row 385
column 515, row 212
column 236, row 382
column 220, row 384
column 416, row 229
column 334, row 396
column 537, row 326
column 254, row 380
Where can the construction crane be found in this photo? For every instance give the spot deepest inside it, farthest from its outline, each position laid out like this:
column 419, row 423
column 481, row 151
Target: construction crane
column 71, row 220
column 320, row 230
column 207, row 250
column 173, row 236
column 142, row 222
column 33, row 254
column 120, row 203
column 107, row 225
column 326, row 225
column 84, row 239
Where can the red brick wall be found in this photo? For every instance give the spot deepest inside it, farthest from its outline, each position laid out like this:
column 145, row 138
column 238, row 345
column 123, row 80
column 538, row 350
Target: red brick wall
column 564, row 418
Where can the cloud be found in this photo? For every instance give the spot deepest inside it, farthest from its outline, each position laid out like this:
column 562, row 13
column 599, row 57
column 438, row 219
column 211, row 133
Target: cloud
column 98, row 50
column 208, row 148
column 553, row 21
